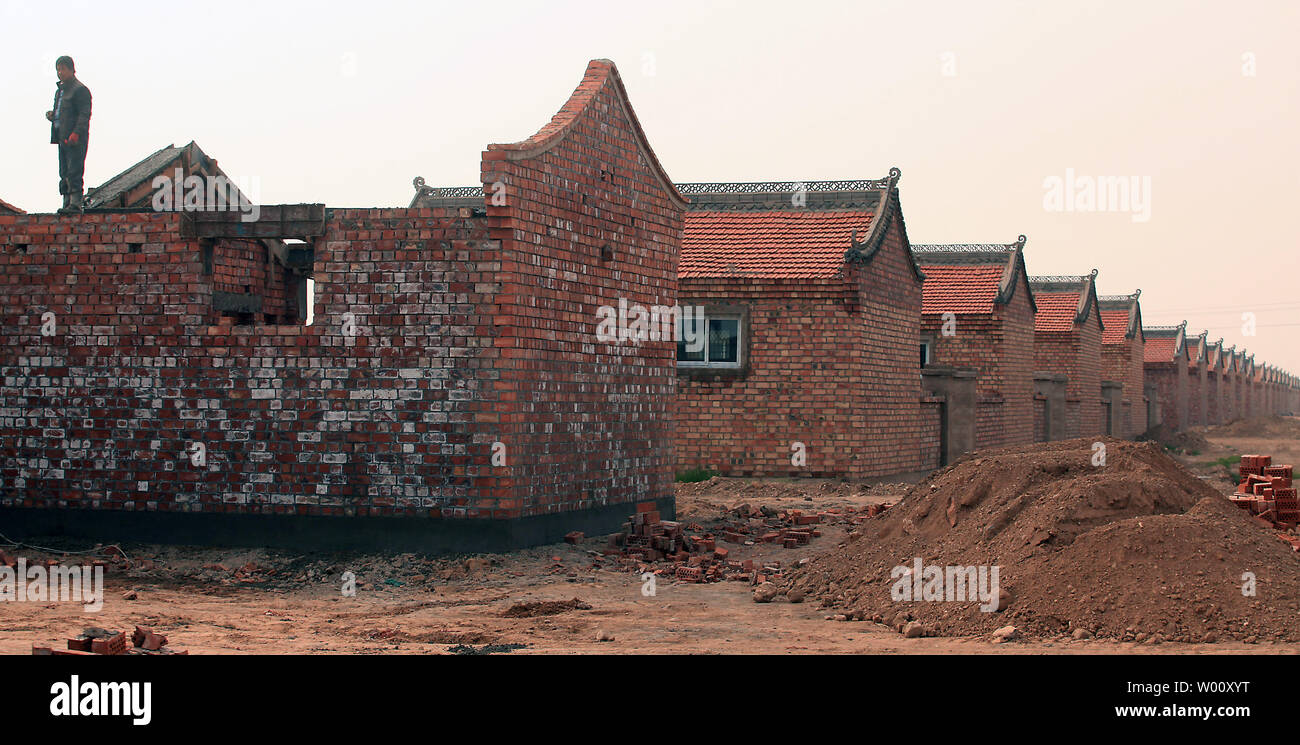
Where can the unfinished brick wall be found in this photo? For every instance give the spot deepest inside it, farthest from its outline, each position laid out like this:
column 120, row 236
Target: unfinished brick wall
column 439, row 339
column 246, row 267
column 589, row 218
column 305, row 420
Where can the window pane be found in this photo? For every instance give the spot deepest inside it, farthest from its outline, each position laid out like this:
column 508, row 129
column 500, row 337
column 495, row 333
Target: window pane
column 724, row 340
column 686, row 356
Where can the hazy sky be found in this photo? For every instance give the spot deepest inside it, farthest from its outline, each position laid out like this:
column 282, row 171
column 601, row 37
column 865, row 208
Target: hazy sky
column 980, row 104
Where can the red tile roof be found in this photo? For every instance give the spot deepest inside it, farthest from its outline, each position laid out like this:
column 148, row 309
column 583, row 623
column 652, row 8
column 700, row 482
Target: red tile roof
column 1056, row 311
column 1159, row 349
column 774, row 244
column 1115, row 324
column 6, row 208
column 951, row 288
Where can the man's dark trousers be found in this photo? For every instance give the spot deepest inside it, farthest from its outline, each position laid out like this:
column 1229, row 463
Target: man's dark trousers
column 72, row 169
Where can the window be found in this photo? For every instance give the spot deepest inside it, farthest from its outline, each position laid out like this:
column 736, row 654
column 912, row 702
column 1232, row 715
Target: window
column 926, row 356
column 721, row 345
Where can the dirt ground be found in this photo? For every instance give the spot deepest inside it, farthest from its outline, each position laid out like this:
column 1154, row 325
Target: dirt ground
column 554, row 599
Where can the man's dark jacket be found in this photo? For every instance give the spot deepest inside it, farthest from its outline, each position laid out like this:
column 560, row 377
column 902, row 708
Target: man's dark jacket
column 73, row 113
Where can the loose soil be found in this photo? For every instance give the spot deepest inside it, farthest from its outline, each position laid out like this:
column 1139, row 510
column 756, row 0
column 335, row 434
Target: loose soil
column 1136, row 548
column 212, row 601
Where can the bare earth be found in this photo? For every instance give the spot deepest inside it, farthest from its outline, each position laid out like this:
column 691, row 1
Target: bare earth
column 211, row 601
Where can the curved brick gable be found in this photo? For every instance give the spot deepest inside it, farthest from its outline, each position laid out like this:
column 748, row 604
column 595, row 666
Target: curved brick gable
column 589, row 219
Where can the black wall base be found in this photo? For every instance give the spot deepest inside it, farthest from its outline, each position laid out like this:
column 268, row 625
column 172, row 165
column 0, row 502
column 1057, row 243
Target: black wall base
column 428, row 536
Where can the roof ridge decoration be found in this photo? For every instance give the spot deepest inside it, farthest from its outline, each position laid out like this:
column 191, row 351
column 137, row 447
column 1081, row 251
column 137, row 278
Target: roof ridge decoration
column 446, row 192
column 959, row 248
column 693, row 188
column 1062, row 279
column 1120, row 298
column 861, row 252
column 1016, row 269
column 600, row 72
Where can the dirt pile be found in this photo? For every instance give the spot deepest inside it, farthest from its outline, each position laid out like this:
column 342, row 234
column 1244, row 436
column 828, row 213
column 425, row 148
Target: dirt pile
column 1181, row 440
column 1266, row 426
column 1137, row 548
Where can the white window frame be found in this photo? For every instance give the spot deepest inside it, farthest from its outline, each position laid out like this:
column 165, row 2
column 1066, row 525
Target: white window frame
column 720, row 315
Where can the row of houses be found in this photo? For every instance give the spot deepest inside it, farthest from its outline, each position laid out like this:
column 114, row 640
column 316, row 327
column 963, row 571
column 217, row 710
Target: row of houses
column 829, row 303
column 159, row 378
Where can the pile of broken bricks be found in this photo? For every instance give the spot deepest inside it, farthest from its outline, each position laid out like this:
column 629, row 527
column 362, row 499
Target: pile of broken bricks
column 646, row 540
column 95, row 641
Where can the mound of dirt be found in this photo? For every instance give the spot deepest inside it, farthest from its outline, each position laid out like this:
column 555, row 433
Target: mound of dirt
column 1135, row 548
column 1265, row 426
column 715, row 498
column 544, row 608
column 1183, row 440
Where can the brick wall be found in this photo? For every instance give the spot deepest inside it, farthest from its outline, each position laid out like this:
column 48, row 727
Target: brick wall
column 1040, row 419
column 1213, row 399
column 832, row 364
column 1197, row 387
column 589, row 219
column 1122, row 363
column 1077, row 355
column 436, row 336
column 1228, row 393
column 308, row 420
column 803, row 383
column 1171, row 381
column 246, row 267
column 931, row 433
column 1000, row 346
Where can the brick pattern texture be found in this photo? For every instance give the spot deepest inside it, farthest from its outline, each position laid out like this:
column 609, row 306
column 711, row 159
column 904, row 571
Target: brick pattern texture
column 1000, row 346
column 1077, row 355
column 833, row 364
column 435, row 337
column 1122, row 363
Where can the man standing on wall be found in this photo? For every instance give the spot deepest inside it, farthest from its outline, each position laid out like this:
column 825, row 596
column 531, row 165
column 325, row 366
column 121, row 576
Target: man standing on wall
column 70, row 130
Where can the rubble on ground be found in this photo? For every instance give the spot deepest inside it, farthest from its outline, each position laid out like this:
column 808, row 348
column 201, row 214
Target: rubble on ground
column 692, row 554
column 97, row 641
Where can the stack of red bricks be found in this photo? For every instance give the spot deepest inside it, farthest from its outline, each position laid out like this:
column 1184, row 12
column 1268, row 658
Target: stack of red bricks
column 1267, row 491
column 94, row 641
